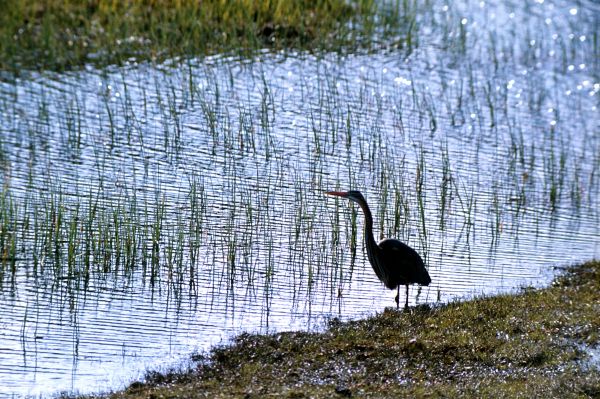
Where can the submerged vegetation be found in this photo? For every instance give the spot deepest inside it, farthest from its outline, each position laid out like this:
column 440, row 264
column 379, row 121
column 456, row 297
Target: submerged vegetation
column 161, row 203
column 537, row 343
column 66, row 34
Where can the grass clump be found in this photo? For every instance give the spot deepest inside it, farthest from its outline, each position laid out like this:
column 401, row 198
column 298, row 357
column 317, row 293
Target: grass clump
column 62, row 35
column 532, row 344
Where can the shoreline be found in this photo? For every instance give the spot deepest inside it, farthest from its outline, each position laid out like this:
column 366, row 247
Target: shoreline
column 66, row 35
column 533, row 343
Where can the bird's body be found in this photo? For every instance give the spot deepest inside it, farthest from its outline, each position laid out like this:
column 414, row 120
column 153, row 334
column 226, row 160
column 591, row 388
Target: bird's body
column 394, row 262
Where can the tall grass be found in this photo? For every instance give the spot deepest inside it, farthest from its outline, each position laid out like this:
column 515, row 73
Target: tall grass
column 67, row 34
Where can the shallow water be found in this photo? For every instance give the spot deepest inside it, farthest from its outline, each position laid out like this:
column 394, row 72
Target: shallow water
column 160, row 210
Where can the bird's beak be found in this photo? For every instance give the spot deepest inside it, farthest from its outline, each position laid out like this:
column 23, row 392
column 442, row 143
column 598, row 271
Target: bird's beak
column 337, row 193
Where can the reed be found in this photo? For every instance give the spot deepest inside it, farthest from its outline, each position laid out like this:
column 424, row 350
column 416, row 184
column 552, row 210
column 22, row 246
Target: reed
column 209, row 173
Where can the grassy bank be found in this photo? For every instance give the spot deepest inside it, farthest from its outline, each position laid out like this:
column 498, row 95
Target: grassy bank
column 532, row 344
column 65, row 34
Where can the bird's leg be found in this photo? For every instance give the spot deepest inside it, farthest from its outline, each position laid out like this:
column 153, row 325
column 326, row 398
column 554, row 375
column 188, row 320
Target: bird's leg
column 406, row 303
column 397, row 299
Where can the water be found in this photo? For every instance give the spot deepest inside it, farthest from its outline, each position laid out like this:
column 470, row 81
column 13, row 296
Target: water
column 159, row 210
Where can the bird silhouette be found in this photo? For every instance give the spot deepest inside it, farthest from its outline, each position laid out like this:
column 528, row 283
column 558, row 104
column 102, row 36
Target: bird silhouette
column 394, row 262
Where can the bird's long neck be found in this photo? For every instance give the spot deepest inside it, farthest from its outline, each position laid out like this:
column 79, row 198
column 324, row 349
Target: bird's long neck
column 369, row 239
column 372, row 247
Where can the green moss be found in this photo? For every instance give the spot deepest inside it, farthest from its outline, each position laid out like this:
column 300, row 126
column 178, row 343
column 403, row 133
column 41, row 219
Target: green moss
column 524, row 345
column 65, row 34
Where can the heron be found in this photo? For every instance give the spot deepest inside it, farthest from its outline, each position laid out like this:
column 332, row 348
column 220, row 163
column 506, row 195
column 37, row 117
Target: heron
column 394, row 262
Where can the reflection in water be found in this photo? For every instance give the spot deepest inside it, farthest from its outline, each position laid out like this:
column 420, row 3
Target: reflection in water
column 148, row 212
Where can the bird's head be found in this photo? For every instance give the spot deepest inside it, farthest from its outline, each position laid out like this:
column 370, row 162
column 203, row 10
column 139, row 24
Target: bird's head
column 352, row 195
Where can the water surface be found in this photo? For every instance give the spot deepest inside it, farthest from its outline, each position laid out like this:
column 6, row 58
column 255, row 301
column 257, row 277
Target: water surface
column 157, row 211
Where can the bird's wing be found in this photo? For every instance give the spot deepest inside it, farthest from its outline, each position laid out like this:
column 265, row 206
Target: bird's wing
column 405, row 264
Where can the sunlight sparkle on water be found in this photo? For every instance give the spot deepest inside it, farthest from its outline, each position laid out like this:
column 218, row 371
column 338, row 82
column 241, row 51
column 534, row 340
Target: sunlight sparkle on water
column 247, row 148
column 403, row 81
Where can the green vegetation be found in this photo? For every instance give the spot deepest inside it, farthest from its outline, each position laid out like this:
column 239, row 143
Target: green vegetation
column 533, row 344
column 64, row 34
column 106, row 180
